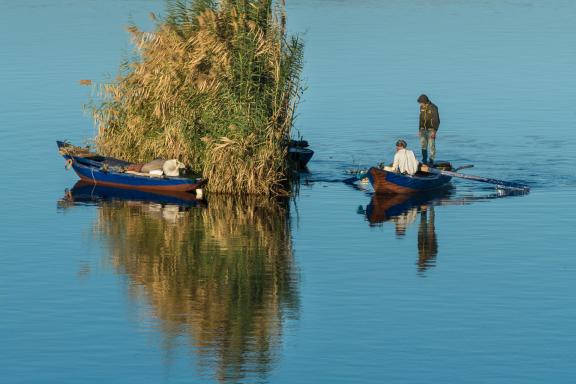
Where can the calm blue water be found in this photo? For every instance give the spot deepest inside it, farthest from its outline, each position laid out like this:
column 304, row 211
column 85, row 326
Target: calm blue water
column 335, row 286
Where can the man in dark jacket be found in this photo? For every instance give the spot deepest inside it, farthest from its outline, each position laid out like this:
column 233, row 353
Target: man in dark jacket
column 429, row 123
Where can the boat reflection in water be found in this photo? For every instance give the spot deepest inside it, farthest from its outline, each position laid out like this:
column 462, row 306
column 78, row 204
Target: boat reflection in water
column 220, row 276
column 403, row 210
column 88, row 193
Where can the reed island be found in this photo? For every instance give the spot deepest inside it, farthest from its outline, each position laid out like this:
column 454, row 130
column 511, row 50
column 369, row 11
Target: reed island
column 215, row 85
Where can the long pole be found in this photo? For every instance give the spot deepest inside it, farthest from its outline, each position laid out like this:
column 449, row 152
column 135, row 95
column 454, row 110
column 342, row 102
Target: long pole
column 499, row 183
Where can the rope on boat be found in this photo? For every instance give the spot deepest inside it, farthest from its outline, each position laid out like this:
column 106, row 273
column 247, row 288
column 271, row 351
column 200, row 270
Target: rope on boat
column 92, row 172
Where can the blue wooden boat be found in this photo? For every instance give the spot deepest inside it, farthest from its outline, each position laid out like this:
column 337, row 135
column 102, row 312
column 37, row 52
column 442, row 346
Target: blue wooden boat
column 108, row 171
column 385, row 182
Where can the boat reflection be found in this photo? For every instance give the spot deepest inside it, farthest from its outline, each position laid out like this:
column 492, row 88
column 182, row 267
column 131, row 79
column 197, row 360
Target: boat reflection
column 88, row 193
column 221, row 277
column 403, row 210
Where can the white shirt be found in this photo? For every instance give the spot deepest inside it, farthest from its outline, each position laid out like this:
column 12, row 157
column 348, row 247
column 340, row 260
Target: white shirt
column 405, row 162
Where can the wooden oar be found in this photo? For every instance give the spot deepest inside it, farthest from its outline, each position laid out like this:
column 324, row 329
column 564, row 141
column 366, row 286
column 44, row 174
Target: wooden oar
column 499, row 183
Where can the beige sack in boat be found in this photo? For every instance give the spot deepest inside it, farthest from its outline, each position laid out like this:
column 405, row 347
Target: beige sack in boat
column 154, row 165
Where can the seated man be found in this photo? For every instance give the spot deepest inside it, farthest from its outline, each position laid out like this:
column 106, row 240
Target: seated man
column 404, row 160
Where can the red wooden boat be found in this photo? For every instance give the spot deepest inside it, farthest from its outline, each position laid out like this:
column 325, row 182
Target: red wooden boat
column 385, row 182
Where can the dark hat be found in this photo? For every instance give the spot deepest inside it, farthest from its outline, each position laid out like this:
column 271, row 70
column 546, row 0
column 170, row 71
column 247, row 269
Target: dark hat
column 401, row 143
column 423, row 99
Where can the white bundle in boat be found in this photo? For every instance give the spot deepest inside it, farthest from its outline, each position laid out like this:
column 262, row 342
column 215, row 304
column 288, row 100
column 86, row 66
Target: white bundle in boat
column 170, row 167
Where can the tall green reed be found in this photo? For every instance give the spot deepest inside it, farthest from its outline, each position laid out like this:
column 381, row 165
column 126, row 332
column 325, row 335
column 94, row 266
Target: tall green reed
column 216, row 85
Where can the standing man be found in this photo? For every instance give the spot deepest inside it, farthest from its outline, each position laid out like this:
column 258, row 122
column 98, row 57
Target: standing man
column 429, row 123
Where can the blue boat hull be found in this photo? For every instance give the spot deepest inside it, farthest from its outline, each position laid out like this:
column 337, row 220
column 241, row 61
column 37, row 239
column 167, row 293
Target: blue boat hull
column 385, row 182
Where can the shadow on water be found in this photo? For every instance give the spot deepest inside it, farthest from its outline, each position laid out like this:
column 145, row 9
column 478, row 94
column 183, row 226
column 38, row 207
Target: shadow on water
column 404, row 210
column 220, row 275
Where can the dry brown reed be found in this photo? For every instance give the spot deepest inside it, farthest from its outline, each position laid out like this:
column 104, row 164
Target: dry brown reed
column 215, row 85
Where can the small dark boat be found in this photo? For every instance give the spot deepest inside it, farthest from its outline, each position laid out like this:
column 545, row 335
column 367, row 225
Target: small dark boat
column 385, row 182
column 102, row 170
column 299, row 153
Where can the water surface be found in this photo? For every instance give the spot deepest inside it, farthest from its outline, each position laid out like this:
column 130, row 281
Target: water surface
column 336, row 285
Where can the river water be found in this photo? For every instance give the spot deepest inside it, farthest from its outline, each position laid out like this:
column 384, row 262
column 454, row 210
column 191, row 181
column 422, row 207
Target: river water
column 336, row 285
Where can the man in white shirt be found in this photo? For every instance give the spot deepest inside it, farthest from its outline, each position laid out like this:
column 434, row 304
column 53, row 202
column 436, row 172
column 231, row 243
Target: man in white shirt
column 404, row 160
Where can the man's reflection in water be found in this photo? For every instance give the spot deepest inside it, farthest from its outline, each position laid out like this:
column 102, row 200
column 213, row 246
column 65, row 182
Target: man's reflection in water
column 403, row 221
column 403, row 210
column 427, row 242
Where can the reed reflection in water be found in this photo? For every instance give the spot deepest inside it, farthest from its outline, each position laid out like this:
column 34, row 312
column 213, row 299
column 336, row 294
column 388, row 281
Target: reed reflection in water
column 403, row 210
column 222, row 276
